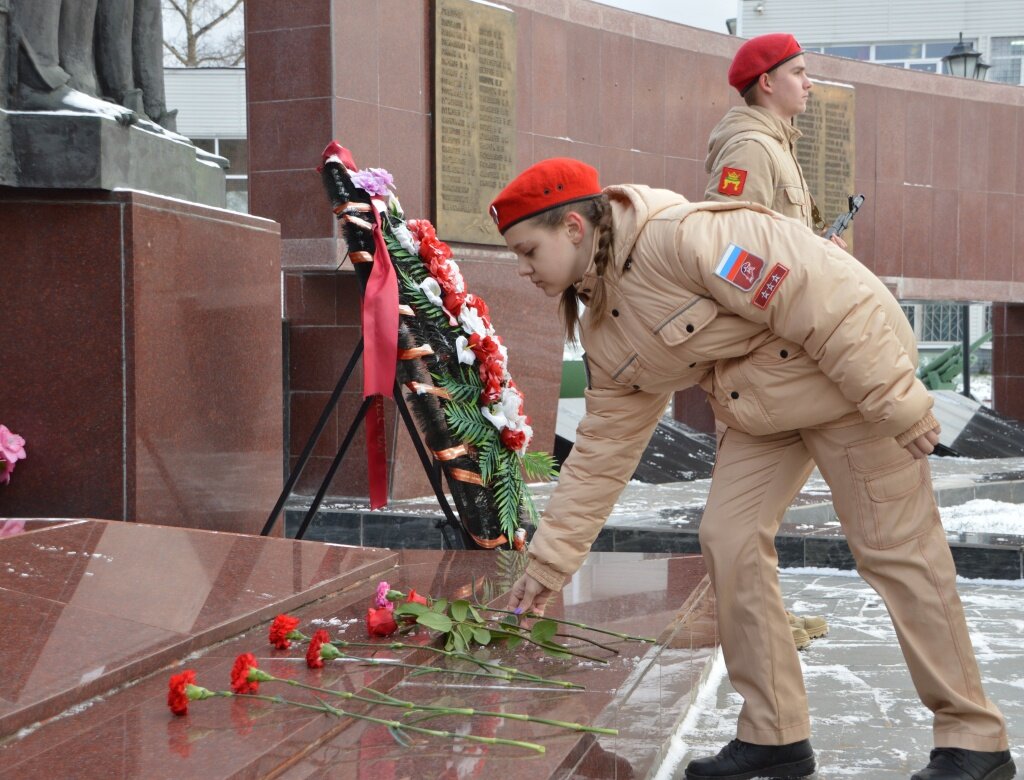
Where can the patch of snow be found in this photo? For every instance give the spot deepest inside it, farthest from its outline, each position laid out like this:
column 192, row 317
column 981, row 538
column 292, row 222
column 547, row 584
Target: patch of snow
column 982, row 515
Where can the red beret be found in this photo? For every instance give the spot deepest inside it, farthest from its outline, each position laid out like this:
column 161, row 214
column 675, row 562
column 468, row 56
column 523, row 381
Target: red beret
column 761, row 55
column 543, row 186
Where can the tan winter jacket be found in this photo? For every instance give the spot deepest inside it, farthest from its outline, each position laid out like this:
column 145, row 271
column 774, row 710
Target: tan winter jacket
column 752, row 156
column 803, row 336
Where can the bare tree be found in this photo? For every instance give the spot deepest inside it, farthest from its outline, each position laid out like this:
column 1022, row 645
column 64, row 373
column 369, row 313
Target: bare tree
column 192, row 37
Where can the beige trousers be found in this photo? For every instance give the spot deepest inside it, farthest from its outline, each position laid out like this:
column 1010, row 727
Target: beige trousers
column 884, row 500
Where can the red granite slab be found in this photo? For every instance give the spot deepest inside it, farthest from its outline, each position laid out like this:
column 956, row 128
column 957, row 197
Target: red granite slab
column 643, row 690
column 92, row 605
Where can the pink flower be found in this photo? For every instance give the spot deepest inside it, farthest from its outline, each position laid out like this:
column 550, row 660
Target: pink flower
column 11, row 527
column 381, row 599
column 12, row 449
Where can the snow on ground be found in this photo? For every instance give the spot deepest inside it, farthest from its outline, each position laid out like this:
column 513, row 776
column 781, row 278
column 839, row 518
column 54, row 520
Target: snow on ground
column 983, row 515
column 866, row 720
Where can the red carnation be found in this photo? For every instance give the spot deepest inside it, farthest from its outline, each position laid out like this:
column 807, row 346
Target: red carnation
column 454, row 301
column 416, row 598
column 380, row 621
column 313, row 657
column 420, row 228
column 478, row 303
column 177, row 696
column 514, row 440
column 281, row 629
column 240, row 682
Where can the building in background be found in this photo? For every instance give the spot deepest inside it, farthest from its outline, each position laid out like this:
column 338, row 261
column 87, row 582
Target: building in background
column 211, row 111
column 913, row 34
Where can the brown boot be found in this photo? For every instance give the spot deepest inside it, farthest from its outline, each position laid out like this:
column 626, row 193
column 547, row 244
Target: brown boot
column 800, row 638
column 814, row 625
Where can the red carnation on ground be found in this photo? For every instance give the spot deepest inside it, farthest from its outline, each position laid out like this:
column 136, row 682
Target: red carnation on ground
column 240, row 682
column 313, row 657
column 380, row 622
column 416, row 598
column 177, row 696
column 280, row 629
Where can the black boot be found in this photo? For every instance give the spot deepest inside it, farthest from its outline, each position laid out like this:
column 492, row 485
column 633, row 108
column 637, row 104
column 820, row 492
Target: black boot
column 741, row 760
column 960, row 764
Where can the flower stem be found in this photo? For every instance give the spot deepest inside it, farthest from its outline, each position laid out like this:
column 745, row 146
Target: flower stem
column 573, row 623
column 386, row 699
column 390, row 701
column 461, row 656
column 395, row 724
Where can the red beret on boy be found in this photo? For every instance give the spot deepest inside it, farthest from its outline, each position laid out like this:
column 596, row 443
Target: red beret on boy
column 761, row 55
column 543, row 186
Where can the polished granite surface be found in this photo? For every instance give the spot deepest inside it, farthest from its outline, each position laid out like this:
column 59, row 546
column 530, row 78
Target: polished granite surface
column 100, row 614
column 89, row 605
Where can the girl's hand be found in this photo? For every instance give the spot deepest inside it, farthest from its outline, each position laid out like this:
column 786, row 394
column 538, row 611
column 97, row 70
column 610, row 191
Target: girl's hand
column 923, row 445
column 529, row 595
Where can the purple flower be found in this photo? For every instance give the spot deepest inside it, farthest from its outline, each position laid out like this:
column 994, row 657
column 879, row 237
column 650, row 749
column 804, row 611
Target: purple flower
column 375, row 181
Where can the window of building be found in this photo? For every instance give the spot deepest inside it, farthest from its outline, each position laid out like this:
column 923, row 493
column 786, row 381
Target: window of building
column 236, row 150
column 1006, row 57
column 914, row 55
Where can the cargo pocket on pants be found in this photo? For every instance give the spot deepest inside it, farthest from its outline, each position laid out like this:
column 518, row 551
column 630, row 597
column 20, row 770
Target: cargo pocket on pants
column 893, row 497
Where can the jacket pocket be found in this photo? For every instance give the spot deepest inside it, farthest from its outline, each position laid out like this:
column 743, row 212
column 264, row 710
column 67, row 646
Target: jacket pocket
column 794, row 195
column 687, row 320
column 894, row 501
column 626, row 372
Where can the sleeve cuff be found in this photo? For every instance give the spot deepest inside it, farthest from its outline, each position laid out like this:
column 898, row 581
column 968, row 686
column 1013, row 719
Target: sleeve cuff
column 548, row 577
column 927, row 423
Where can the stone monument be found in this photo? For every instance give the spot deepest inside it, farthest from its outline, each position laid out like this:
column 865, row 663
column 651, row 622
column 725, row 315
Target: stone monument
column 83, row 102
column 142, row 355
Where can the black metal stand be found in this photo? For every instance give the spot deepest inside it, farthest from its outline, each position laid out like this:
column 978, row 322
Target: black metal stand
column 451, row 529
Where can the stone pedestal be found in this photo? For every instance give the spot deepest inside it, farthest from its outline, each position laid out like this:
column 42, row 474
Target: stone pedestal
column 64, row 150
column 691, row 408
column 1008, row 359
column 140, row 603
column 141, row 357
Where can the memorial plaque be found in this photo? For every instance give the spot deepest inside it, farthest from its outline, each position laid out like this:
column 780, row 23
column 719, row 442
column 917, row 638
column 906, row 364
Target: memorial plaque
column 474, row 115
column 826, row 150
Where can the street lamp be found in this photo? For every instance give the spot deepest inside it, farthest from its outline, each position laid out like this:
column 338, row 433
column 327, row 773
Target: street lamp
column 965, row 61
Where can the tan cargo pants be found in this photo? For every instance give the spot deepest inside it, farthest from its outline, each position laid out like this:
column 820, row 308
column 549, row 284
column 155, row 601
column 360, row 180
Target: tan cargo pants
column 884, row 500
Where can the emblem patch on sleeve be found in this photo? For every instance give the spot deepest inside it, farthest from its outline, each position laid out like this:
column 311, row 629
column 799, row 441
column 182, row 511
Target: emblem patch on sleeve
column 770, row 286
column 732, row 181
column 739, row 268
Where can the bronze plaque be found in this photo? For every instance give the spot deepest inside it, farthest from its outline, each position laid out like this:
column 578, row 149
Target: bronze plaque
column 474, row 115
column 826, row 150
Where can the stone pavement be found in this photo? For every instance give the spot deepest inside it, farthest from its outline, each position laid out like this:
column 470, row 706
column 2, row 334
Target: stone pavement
column 867, row 721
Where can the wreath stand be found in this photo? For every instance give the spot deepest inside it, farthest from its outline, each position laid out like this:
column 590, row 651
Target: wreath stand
column 453, row 534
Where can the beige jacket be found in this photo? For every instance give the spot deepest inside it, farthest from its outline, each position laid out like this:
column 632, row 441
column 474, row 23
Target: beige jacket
column 752, row 156
column 830, row 342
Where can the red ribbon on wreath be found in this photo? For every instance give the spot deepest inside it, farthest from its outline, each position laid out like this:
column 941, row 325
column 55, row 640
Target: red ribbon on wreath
column 380, row 346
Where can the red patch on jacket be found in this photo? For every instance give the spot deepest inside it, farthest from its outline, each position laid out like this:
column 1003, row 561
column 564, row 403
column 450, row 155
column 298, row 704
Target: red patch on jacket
column 732, row 181
column 770, row 286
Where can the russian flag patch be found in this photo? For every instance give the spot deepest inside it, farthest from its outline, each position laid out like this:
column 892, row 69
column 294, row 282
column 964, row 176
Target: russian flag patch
column 739, row 268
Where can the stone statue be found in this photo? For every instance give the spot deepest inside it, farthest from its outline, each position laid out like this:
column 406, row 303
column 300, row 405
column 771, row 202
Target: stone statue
column 93, row 56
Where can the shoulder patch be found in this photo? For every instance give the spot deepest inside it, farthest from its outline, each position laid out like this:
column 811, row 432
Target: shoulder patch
column 739, row 268
column 770, row 286
column 732, row 181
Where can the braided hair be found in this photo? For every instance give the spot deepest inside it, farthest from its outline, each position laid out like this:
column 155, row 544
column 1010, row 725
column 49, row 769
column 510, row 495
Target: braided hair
column 598, row 212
